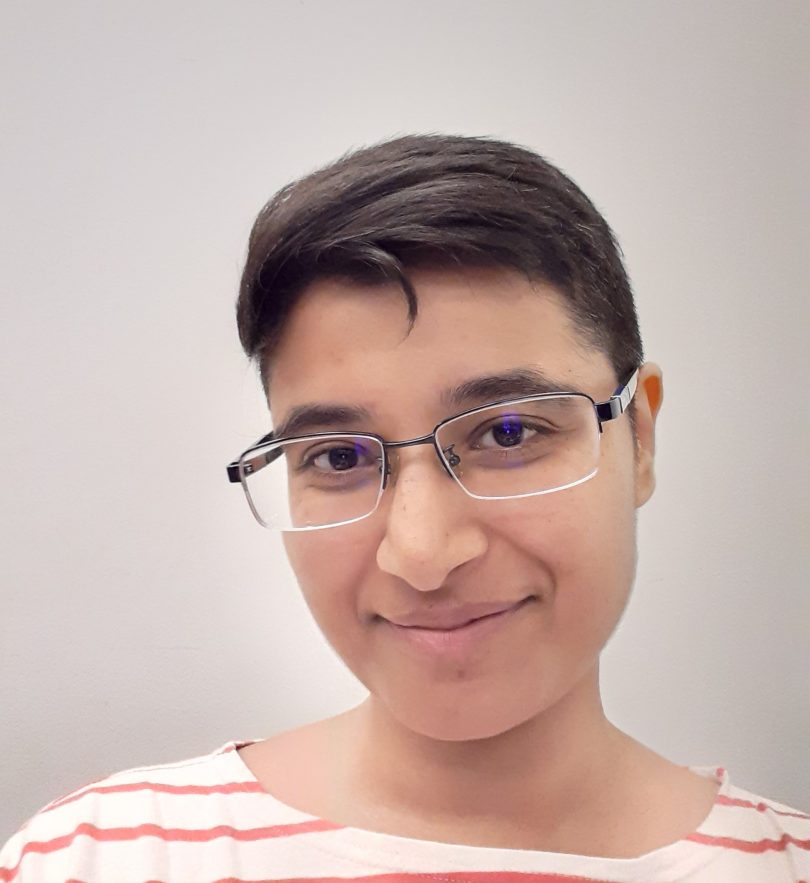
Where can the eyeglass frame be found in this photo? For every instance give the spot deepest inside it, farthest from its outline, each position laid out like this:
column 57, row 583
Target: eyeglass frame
column 607, row 410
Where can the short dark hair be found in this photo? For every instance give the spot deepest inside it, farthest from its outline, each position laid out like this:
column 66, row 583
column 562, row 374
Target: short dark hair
column 440, row 200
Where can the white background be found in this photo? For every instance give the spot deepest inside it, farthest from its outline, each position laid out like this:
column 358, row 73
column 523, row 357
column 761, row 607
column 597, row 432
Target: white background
column 145, row 616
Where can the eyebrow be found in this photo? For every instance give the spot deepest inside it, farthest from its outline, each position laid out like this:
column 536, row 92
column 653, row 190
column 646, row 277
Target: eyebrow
column 518, row 382
column 515, row 383
column 303, row 419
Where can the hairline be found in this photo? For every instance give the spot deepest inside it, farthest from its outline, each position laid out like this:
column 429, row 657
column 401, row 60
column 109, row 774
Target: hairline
column 585, row 336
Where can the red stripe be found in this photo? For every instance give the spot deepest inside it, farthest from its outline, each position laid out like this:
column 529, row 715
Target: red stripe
column 182, row 835
column 459, row 876
column 194, row 761
column 439, row 876
column 753, row 846
column 223, row 788
column 760, row 807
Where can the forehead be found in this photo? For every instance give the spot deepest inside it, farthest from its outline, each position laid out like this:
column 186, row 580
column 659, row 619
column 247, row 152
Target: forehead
column 349, row 343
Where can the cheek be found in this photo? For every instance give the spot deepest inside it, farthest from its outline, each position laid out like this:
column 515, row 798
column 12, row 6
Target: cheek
column 329, row 567
column 584, row 538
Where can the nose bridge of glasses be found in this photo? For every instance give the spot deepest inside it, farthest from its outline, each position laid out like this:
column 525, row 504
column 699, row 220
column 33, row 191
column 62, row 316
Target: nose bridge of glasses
column 395, row 446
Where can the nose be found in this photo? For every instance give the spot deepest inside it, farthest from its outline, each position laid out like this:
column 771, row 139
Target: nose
column 430, row 527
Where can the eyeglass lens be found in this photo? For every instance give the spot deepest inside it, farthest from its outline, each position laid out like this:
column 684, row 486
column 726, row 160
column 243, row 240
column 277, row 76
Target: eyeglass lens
column 501, row 451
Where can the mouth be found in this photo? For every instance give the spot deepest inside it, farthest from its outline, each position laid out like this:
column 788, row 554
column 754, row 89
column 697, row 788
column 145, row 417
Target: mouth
column 464, row 625
column 461, row 640
column 450, row 617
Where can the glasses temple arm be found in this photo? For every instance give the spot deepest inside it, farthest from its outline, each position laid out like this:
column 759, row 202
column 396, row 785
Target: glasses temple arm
column 620, row 400
column 234, row 474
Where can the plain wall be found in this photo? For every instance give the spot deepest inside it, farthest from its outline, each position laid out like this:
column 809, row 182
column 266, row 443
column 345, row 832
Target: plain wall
column 145, row 616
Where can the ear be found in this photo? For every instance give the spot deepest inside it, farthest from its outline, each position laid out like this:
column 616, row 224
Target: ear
column 648, row 398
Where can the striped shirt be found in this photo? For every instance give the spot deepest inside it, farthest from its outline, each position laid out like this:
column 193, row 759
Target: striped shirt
column 208, row 819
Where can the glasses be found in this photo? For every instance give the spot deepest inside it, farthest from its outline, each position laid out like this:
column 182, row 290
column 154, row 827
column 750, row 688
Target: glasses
column 520, row 447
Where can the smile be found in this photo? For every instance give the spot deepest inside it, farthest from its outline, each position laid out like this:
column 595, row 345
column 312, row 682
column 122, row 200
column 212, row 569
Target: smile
column 461, row 640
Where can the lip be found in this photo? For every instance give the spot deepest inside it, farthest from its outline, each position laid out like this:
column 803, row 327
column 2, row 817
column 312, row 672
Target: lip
column 456, row 642
column 453, row 616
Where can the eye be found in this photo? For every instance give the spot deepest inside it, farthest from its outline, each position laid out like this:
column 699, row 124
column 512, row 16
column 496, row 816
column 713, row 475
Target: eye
column 340, row 457
column 510, row 431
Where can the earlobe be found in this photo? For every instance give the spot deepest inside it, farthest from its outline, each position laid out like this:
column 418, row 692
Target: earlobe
column 648, row 399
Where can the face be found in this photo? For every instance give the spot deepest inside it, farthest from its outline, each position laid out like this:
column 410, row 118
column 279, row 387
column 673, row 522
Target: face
column 570, row 553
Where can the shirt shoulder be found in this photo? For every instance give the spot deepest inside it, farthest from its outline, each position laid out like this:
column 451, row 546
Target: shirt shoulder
column 754, row 837
column 129, row 818
column 208, row 818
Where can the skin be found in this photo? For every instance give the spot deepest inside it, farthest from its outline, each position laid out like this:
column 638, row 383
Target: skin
column 511, row 744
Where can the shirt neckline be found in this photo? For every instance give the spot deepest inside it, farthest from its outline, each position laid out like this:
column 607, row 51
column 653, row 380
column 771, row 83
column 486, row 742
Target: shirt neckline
column 392, row 852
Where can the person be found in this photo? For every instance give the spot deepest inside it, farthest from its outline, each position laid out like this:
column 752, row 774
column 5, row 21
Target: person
column 464, row 431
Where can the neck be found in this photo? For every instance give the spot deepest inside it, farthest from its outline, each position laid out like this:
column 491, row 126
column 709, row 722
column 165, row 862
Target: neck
column 542, row 769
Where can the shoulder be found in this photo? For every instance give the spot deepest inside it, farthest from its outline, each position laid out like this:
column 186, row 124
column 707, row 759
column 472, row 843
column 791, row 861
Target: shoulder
column 743, row 810
column 756, row 830
column 94, row 827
